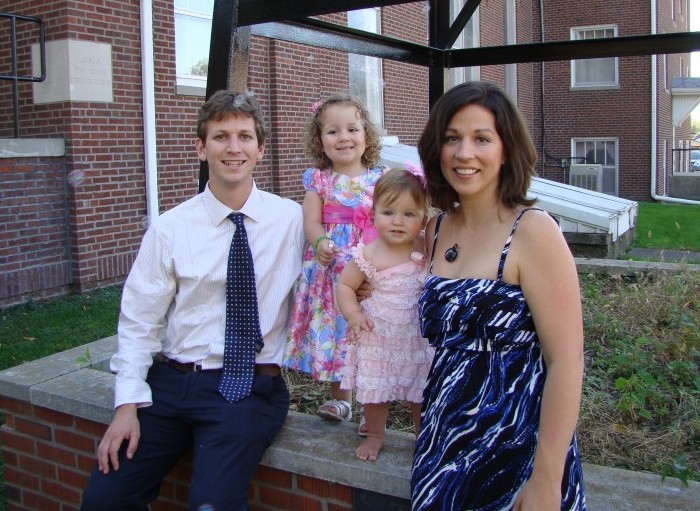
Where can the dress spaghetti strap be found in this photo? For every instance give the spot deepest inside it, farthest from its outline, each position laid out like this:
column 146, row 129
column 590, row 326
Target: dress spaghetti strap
column 435, row 236
column 506, row 247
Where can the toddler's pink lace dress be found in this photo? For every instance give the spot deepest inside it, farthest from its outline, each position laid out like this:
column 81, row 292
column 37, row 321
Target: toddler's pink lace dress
column 391, row 362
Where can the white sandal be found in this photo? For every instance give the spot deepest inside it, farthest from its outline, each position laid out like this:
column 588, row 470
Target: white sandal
column 362, row 428
column 335, row 410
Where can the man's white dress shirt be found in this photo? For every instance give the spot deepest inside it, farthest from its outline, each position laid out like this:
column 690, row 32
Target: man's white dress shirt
column 174, row 299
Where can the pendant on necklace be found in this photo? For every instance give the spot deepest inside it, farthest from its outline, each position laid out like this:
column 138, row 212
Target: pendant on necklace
column 451, row 253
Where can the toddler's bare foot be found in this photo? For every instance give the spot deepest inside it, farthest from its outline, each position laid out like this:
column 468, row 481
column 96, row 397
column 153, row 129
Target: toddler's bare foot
column 369, row 449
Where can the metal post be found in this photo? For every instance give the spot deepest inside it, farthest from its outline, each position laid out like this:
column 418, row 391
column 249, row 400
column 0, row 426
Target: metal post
column 438, row 23
column 15, row 90
column 228, row 58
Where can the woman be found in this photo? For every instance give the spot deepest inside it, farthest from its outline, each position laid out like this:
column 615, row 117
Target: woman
column 502, row 307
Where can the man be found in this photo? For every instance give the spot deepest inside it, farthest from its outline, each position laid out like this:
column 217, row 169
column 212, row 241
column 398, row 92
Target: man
column 174, row 327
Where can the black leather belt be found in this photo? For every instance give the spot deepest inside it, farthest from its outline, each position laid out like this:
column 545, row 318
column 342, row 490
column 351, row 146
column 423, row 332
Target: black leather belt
column 191, row 367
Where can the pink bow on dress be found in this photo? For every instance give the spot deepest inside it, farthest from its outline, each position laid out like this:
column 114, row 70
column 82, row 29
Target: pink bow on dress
column 362, row 218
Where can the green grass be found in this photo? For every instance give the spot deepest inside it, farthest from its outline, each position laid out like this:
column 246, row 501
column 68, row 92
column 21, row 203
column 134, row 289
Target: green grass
column 37, row 329
column 40, row 328
column 668, row 226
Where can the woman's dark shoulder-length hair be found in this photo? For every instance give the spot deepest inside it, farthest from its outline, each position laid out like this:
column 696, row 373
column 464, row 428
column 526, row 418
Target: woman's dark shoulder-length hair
column 519, row 167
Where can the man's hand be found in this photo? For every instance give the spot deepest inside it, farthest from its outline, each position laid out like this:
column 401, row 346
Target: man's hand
column 124, row 426
column 356, row 324
column 364, row 291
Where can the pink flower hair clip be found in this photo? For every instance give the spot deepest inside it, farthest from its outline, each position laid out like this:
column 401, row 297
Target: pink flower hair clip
column 417, row 171
column 316, row 106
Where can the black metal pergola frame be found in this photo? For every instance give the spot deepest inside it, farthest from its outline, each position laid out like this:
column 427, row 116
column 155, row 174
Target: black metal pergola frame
column 233, row 22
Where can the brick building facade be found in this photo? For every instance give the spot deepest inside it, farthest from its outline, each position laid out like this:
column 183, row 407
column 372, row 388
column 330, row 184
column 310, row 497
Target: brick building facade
column 620, row 113
column 75, row 221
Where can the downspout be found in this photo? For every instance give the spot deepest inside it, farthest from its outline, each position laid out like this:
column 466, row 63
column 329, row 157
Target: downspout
column 149, row 111
column 542, row 126
column 654, row 130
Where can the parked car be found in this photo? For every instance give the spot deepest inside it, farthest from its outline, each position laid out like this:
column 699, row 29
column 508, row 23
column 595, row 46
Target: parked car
column 695, row 160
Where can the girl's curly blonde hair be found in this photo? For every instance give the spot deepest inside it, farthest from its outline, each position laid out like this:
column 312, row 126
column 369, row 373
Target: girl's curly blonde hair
column 312, row 135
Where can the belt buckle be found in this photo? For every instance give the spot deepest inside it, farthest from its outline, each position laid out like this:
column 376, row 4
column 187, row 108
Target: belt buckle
column 196, row 368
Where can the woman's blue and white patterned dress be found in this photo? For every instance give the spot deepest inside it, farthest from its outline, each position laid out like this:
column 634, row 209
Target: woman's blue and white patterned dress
column 481, row 407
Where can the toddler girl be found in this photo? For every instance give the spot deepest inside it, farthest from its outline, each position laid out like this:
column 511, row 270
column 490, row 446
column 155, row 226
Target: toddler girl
column 387, row 358
column 345, row 146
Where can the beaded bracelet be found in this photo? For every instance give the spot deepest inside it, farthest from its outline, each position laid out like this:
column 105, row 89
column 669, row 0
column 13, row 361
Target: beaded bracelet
column 318, row 240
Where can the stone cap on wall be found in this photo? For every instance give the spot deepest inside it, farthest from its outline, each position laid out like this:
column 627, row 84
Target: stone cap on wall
column 310, row 446
column 32, row 147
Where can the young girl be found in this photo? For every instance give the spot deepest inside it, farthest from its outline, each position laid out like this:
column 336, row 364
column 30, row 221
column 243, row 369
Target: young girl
column 387, row 359
column 345, row 146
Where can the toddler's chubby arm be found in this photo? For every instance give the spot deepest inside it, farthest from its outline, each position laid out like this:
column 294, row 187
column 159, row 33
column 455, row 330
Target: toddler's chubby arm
column 313, row 228
column 346, row 298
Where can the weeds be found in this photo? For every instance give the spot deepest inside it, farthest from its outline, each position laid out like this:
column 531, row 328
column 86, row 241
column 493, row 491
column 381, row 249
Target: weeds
column 641, row 398
column 642, row 388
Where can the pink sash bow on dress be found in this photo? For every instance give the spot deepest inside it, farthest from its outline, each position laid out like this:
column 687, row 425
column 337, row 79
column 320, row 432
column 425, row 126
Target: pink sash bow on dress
column 360, row 216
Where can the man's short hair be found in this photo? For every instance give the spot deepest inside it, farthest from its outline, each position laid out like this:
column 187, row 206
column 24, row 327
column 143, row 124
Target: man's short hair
column 225, row 103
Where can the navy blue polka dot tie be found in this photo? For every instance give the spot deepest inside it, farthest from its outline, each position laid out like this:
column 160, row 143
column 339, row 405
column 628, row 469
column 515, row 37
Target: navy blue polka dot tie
column 242, row 337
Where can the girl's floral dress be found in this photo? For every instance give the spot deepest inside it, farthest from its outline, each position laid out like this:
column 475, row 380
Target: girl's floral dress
column 316, row 342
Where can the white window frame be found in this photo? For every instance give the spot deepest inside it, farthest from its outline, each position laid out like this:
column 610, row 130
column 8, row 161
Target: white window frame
column 608, row 168
column 188, row 81
column 576, row 32
column 365, row 77
column 459, row 75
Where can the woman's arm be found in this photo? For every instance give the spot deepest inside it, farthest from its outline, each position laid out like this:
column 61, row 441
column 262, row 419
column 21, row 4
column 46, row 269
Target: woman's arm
column 549, row 281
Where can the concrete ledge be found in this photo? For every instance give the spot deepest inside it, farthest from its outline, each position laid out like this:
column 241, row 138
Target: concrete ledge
column 620, row 267
column 315, row 448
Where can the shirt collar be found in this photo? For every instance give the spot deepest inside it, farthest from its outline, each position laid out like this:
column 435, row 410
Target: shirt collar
column 218, row 212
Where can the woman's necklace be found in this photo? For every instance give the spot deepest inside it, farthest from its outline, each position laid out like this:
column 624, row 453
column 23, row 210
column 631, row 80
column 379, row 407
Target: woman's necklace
column 451, row 253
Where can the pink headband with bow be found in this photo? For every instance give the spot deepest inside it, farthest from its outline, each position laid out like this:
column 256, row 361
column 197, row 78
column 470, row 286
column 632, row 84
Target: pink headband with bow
column 417, row 171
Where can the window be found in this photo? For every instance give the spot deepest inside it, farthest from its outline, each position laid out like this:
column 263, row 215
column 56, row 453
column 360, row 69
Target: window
column 469, row 38
column 365, row 73
column 192, row 34
column 602, row 151
column 594, row 72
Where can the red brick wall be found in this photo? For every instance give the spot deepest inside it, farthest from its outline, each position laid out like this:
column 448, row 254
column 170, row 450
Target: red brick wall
column 34, row 238
column 671, row 67
column 623, row 113
column 106, row 203
column 527, row 73
column 106, row 206
column 405, row 85
column 49, row 455
column 104, row 147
